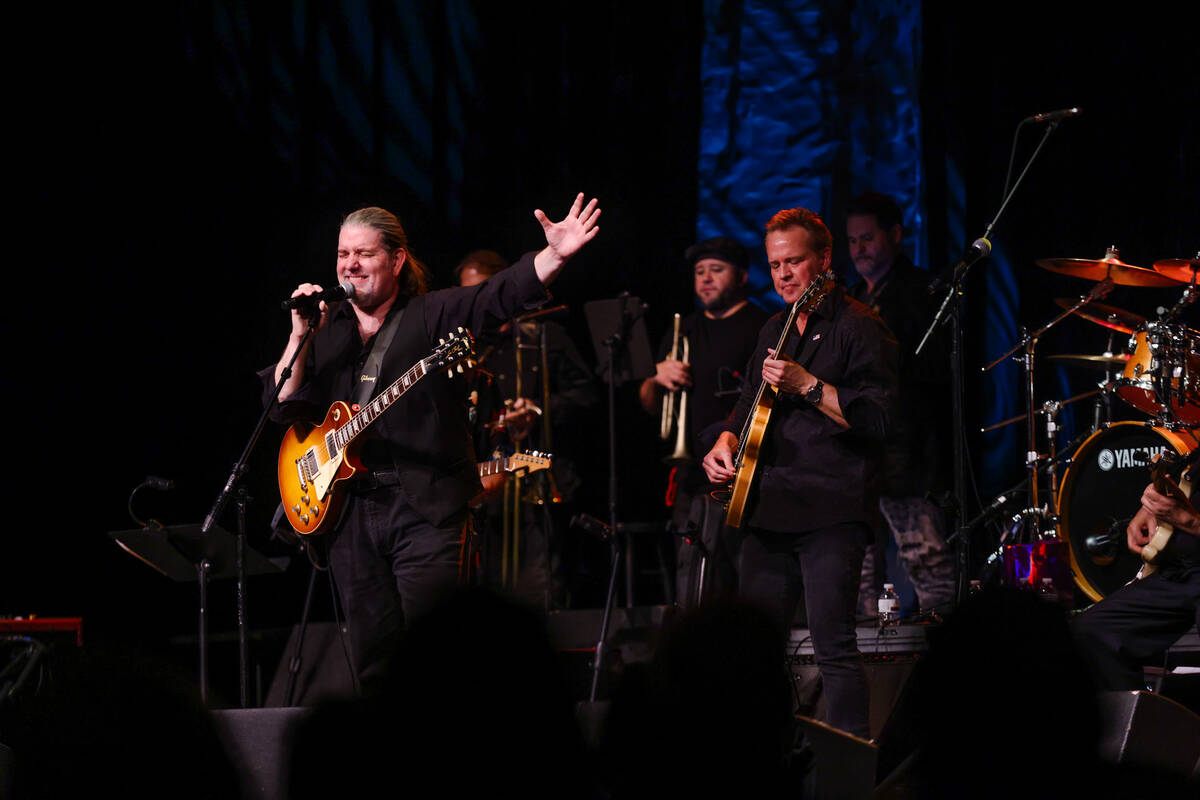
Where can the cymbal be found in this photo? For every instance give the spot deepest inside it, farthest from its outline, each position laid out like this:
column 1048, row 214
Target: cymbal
column 1110, row 317
column 1121, row 273
column 1101, row 363
column 1181, row 269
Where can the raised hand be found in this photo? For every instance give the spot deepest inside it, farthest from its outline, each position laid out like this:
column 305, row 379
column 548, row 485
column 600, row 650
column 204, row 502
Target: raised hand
column 567, row 237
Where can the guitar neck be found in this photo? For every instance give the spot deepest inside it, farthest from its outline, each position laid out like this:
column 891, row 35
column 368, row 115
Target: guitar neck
column 762, row 386
column 380, row 403
column 494, row 467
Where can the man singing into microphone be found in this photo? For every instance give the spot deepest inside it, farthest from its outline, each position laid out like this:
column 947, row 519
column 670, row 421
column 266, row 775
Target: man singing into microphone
column 396, row 549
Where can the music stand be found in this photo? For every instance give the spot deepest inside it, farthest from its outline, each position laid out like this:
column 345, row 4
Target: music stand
column 183, row 553
column 623, row 352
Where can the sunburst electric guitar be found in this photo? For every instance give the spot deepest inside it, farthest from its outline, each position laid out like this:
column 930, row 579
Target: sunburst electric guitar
column 313, row 461
column 755, row 430
column 1160, row 469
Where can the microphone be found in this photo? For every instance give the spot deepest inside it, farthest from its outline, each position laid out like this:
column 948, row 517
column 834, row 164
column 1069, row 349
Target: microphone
column 980, row 248
column 1054, row 116
column 343, row 291
column 161, row 484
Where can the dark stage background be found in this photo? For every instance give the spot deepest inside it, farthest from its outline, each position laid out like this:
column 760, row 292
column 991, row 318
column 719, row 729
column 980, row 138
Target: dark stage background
column 179, row 170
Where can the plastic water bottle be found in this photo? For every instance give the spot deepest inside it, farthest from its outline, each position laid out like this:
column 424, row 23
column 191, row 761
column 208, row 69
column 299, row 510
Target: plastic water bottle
column 889, row 606
column 1047, row 591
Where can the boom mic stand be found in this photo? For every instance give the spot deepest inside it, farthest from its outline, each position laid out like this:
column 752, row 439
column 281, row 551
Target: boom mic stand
column 950, row 311
column 231, row 486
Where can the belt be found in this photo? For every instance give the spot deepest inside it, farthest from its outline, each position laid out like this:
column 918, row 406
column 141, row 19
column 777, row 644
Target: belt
column 374, row 478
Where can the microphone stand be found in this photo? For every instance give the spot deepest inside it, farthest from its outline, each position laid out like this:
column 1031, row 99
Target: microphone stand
column 232, row 486
column 950, row 312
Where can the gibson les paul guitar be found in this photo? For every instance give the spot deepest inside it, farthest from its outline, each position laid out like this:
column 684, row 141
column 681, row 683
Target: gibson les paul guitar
column 314, row 460
column 755, row 429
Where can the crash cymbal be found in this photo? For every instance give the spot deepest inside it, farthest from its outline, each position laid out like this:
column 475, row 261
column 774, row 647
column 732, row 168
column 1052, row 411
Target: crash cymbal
column 1181, row 269
column 1111, row 266
column 1110, row 317
column 1102, row 363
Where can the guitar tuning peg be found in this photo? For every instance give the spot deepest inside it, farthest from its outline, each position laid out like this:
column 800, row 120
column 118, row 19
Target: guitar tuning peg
column 470, row 363
column 460, row 369
column 460, row 328
column 441, row 341
column 449, row 373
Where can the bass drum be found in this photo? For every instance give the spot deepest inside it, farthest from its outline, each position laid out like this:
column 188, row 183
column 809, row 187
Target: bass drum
column 1101, row 491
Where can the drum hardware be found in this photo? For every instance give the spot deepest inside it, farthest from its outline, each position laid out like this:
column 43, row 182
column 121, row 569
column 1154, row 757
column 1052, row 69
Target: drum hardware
column 1035, row 519
column 1162, row 377
column 675, row 405
column 1050, row 406
column 1110, row 317
column 1111, row 266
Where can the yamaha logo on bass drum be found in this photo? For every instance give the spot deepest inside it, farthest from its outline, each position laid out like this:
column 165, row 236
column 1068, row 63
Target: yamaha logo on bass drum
column 1127, row 457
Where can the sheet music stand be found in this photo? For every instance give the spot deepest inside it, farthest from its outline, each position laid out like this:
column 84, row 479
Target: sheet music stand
column 182, row 553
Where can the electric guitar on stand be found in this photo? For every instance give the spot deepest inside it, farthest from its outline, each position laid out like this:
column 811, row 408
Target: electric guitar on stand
column 755, row 429
column 314, row 460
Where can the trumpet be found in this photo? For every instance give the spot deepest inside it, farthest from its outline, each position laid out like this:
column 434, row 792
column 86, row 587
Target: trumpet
column 674, row 406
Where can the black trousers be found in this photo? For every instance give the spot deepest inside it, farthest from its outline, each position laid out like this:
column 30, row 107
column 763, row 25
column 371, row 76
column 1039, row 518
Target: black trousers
column 390, row 566
column 1134, row 625
column 824, row 566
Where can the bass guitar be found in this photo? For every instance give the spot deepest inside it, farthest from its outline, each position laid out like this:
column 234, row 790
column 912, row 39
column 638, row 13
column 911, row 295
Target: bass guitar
column 314, row 460
column 1160, row 468
column 755, row 429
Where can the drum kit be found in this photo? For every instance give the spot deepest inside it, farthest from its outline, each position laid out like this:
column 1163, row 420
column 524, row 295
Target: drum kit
column 1084, row 518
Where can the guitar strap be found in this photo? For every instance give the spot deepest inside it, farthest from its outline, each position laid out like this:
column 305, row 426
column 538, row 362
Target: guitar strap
column 369, row 380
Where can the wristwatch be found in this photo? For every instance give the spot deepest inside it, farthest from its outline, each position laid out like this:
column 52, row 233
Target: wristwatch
column 813, row 395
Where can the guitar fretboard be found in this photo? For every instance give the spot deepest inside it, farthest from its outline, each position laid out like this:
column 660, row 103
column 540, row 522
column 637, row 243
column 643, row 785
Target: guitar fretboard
column 360, row 421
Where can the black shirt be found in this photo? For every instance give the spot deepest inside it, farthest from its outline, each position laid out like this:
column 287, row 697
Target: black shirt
column 424, row 435
column 718, row 352
column 921, row 435
column 814, row 473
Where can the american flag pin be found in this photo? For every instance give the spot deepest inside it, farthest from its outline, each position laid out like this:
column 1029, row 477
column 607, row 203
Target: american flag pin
column 816, row 336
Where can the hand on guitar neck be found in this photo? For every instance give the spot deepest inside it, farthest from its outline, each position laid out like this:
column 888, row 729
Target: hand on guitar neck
column 1173, row 508
column 1165, row 510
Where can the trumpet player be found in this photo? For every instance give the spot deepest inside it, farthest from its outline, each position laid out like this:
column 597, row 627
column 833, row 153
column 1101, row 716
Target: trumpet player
column 720, row 338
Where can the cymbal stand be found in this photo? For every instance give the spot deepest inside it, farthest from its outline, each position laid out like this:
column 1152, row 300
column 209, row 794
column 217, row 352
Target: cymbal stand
column 1035, row 515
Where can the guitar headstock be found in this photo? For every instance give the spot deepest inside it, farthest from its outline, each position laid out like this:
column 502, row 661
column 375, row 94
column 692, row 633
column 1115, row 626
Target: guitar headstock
column 815, row 292
column 1162, row 465
column 530, row 462
column 458, row 346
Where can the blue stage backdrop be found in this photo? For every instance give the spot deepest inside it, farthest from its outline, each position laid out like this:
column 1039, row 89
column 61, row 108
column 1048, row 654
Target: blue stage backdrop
column 807, row 104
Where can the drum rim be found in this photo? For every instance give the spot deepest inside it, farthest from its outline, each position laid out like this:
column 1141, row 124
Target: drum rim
column 1173, row 437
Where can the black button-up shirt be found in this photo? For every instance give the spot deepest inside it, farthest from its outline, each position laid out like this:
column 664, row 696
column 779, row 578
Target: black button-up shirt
column 812, row 472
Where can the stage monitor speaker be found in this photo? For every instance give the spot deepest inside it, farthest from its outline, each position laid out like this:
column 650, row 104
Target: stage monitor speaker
column 843, row 766
column 324, row 673
column 1147, row 731
column 259, row 743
